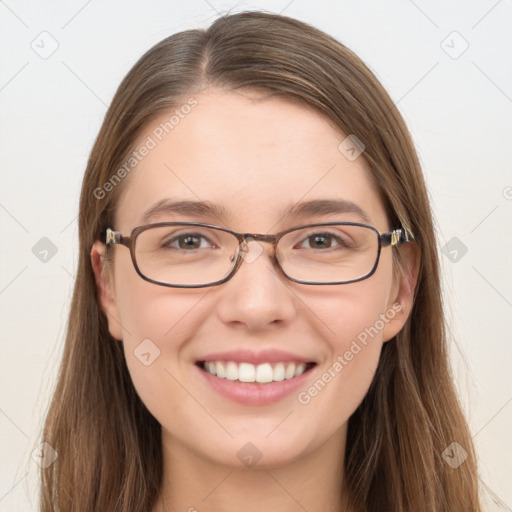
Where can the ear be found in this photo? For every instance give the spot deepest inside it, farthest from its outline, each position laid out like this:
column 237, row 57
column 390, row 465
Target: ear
column 402, row 297
column 105, row 286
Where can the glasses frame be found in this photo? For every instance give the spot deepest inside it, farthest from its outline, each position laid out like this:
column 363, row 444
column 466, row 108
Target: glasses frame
column 392, row 238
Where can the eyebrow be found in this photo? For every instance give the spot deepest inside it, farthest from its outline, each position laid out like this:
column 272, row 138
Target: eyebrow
column 207, row 209
column 192, row 208
column 324, row 207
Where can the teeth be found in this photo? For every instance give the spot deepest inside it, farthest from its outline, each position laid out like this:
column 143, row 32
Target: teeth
column 220, row 370
column 279, row 372
column 289, row 372
column 211, row 367
column 232, row 371
column 264, row 373
column 300, row 370
column 247, row 372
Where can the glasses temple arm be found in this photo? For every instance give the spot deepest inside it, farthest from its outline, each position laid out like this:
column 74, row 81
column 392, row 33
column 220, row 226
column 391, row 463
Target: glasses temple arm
column 395, row 237
column 112, row 237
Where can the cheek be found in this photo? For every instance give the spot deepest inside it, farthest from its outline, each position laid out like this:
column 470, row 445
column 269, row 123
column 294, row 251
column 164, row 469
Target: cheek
column 352, row 322
column 149, row 311
column 353, row 311
column 157, row 325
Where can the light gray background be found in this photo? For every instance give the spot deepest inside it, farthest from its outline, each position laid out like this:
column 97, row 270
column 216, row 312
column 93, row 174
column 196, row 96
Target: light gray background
column 457, row 106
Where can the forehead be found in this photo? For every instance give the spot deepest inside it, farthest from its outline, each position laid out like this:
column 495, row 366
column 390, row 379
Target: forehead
column 253, row 154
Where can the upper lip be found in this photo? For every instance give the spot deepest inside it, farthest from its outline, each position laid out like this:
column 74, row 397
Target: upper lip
column 262, row 356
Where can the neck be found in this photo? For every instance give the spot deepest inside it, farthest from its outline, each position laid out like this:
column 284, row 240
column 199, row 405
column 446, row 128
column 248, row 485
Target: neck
column 192, row 483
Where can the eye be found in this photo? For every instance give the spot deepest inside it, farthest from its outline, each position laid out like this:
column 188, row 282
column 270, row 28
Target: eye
column 187, row 241
column 324, row 241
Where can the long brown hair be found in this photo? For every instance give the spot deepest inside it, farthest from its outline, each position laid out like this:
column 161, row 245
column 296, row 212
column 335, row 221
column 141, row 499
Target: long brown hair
column 108, row 444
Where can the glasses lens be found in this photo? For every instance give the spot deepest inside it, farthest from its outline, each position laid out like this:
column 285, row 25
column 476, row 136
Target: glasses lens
column 329, row 254
column 185, row 255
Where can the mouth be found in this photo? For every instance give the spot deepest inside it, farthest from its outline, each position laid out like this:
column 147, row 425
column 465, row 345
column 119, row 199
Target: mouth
column 261, row 374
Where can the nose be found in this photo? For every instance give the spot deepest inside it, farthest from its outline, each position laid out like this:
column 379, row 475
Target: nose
column 258, row 295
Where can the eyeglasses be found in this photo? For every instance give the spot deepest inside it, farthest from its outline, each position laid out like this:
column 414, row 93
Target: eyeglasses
column 195, row 255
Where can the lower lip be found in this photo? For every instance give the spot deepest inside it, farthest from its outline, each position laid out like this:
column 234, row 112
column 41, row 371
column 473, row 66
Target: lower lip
column 251, row 393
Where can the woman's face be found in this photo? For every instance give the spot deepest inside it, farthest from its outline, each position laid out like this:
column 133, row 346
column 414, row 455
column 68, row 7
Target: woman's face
column 253, row 158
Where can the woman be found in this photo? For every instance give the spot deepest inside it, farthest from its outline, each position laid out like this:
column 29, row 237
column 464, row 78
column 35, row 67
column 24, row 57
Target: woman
column 271, row 335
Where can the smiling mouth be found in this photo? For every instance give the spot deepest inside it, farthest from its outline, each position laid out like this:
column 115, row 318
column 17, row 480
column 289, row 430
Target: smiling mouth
column 261, row 374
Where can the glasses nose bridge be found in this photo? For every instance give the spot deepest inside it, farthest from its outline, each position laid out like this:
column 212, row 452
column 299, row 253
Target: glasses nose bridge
column 260, row 237
column 245, row 238
column 245, row 256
